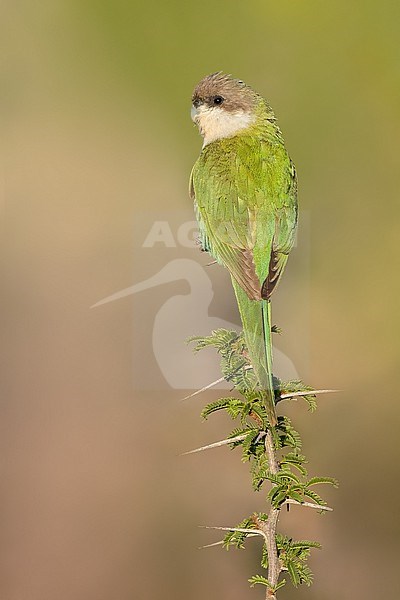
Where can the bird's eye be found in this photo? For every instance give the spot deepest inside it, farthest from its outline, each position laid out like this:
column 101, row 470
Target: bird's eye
column 218, row 100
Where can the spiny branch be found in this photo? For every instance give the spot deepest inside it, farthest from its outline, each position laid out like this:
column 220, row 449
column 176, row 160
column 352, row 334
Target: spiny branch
column 289, row 481
column 269, row 527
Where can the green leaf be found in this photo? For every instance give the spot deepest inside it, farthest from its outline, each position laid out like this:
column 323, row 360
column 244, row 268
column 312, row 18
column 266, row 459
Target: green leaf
column 291, row 387
column 306, row 544
column 259, row 579
column 314, row 496
column 293, row 573
column 237, row 538
column 305, row 574
column 288, row 435
column 219, row 339
column 235, row 407
column 236, row 432
column 264, row 557
column 279, row 585
column 317, row 480
column 288, row 476
column 278, row 496
column 220, row 404
column 311, row 401
column 296, row 496
column 262, row 516
column 248, row 444
column 294, row 460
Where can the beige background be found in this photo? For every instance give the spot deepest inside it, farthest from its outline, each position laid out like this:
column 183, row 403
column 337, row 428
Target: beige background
column 96, row 504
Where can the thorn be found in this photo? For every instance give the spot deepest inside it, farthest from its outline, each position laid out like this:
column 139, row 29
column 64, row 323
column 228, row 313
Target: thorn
column 211, row 545
column 239, row 529
column 221, row 542
column 220, row 380
column 207, row 387
column 214, row 262
column 307, row 393
column 260, row 436
column 216, row 444
column 308, row 505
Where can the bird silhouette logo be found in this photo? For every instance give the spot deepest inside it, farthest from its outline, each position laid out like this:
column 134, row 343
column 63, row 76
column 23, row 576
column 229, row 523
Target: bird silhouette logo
column 184, row 315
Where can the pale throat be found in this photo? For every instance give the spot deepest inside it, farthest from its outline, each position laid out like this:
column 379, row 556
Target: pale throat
column 216, row 123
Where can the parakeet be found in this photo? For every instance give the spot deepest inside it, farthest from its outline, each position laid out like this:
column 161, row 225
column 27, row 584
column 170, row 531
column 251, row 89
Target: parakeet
column 244, row 188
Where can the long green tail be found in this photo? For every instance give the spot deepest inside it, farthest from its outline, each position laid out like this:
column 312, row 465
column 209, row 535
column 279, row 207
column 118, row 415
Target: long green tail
column 256, row 321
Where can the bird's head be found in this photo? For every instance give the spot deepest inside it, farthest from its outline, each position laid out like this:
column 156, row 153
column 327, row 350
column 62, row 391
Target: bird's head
column 222, row 106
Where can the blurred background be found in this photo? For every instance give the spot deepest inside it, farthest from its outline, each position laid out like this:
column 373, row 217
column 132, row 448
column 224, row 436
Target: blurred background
column 97, row 146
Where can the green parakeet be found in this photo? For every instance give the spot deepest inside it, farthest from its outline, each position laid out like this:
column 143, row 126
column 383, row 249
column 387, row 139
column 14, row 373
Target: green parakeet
column 244, row 188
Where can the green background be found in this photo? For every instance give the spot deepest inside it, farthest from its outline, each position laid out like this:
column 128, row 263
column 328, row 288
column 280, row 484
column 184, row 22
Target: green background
column 95, row 130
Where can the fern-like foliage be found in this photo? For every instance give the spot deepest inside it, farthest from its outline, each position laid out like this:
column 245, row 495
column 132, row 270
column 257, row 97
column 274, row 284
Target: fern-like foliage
column 290, row 482
column 259, row 579
column 293, row 556
column 296, row 385
column 235, row 364
column 229, row 404
column 237, row 538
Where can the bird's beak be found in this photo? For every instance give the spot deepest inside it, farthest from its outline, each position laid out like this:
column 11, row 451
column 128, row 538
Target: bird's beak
column 194, row 113
column 163, row 276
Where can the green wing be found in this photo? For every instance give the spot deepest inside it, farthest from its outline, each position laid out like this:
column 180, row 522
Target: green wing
column 245, row 198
